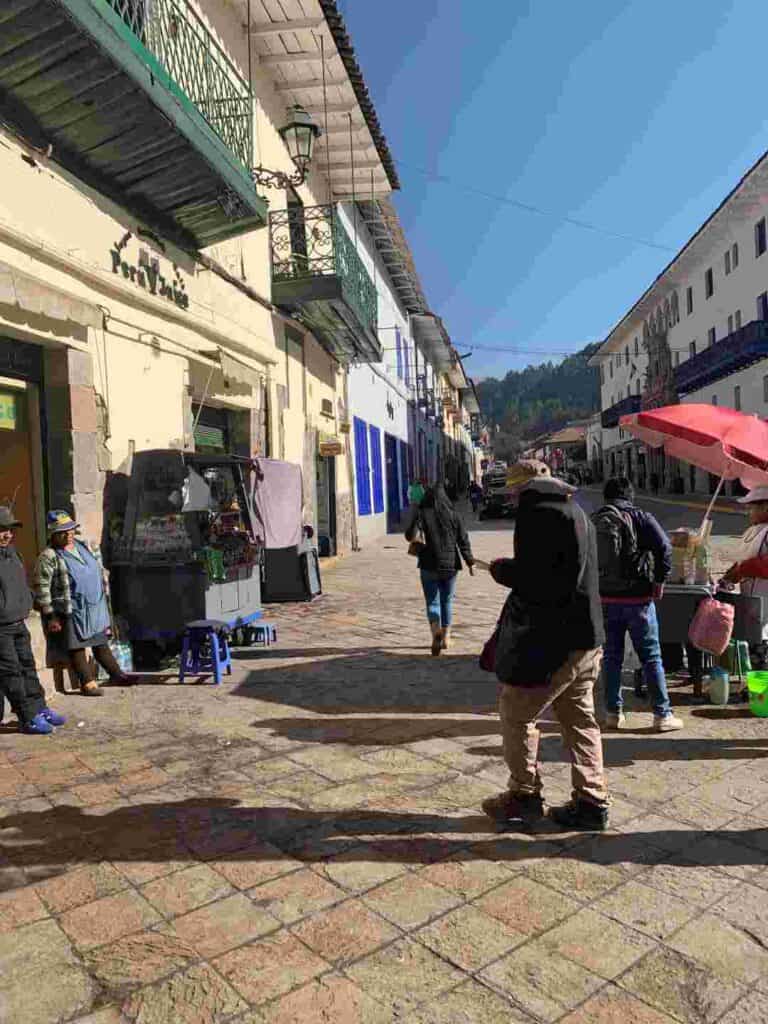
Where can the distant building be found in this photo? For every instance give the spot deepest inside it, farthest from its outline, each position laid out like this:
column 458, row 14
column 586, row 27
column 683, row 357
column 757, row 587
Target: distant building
column 699, row 333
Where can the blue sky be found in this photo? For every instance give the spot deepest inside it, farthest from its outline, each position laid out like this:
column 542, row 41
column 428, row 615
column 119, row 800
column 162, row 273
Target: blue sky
column 634, row 115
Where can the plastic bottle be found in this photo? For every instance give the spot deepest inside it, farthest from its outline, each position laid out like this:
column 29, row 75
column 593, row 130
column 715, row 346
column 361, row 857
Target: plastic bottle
column 719, row 686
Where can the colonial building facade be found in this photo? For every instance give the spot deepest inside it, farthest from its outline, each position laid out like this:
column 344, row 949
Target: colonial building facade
column 698, row 334
column 153, row 294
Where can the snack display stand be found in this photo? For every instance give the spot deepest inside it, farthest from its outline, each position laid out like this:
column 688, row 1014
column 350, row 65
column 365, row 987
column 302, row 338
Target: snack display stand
column 183, row 547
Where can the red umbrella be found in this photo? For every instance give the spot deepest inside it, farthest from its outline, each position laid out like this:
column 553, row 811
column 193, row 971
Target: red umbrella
column 733, row 445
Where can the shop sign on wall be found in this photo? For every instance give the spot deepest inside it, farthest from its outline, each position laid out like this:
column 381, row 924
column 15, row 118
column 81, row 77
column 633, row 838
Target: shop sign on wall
column 146, row 274
column 7, row 411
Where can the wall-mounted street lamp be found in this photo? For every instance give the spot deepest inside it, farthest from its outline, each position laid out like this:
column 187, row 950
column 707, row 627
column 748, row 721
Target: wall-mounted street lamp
column 299, row 137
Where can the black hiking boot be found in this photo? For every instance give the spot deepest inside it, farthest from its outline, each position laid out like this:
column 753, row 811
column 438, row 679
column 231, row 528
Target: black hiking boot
column 508, row 807
column 581, row 816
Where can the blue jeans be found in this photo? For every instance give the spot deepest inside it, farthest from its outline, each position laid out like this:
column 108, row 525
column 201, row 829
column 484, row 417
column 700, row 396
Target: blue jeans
column 643, row 626
column 439, row 594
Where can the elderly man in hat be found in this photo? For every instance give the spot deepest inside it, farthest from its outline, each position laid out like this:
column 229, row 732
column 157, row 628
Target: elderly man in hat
column 548, row 654
column 18, row 675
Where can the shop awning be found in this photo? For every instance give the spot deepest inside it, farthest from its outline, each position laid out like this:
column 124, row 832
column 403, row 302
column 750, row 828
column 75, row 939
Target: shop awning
column 34, row 295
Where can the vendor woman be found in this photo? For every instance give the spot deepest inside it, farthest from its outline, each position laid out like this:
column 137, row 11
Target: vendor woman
column 751, row 570
column 70, row 593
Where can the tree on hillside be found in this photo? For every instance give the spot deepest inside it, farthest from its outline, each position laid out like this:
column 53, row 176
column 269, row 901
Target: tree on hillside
column 540, row 399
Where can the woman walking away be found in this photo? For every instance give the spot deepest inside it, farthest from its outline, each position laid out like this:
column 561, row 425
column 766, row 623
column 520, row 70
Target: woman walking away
column 445, row 536
column 18, row 674
column 71, row 596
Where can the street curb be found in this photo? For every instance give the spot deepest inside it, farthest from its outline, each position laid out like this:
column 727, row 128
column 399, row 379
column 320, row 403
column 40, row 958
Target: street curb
column 698, row 506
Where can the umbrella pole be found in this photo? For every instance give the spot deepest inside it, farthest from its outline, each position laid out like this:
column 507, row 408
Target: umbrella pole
column 714, row 499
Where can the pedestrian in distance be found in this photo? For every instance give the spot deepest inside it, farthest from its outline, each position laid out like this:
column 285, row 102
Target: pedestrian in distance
column 548, row 654
column 475, row 496
column 440, row 539
column 416, row 491
column 19, row 682
column 71, row 595
column 635, row 559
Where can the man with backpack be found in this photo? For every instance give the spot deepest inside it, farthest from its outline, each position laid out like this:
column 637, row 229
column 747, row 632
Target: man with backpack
column 635, row 559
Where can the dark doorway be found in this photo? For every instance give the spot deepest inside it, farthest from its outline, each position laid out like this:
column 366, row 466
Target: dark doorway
column 326, row 506
column 393, row 483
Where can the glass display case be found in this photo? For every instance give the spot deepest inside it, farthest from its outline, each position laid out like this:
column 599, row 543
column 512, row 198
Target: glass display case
column 183, row 546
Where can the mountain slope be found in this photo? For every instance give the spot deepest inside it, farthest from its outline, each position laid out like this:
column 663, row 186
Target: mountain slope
column 541, row 398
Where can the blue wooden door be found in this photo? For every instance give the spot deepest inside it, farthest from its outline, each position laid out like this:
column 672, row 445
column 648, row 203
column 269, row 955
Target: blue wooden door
column 362, row 469
column 376, row 469
column 392, row 469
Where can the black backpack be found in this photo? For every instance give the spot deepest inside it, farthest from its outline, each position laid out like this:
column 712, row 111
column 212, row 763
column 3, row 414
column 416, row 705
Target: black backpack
column 624, row 567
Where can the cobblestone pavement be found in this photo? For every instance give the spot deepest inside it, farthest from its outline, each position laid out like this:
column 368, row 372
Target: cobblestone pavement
column 303, row 844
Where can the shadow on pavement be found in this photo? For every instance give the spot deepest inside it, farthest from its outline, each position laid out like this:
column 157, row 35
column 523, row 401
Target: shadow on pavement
column 48, row 842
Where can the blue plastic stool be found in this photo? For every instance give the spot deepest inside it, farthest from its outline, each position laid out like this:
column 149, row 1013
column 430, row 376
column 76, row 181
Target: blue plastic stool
column 263, row 634
column 205, row 648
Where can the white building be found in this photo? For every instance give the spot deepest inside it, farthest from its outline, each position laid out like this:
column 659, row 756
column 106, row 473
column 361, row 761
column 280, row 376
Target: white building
column 699, row 333
column 410, row 413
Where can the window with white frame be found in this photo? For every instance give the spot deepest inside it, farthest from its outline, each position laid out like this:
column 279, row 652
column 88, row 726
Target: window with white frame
column 737, row 398
column 734, row 255
column 711, row 336
column 760, row 238
column 737, row 319
column 727, row 262
column 730, row 323
column 762, row 306
column 689, row 300
column 709, row 283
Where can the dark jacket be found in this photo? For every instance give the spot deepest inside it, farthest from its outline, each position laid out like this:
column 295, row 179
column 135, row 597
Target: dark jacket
column 15, row 595
column 650, row 537
column 441, row 554
column 554, row 576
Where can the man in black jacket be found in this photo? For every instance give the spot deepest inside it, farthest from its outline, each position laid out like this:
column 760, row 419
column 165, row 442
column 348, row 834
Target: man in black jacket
column 18, row 676
column 549, row 654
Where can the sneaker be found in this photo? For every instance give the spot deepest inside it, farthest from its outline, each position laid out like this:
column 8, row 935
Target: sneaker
column 509, row 806
column 667, row 723
column 39, row 726
column 53, row 716
column 581, row 816
column 614, row 720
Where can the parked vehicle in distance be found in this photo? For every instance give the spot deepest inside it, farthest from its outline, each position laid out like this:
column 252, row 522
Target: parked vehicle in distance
column 501, row 487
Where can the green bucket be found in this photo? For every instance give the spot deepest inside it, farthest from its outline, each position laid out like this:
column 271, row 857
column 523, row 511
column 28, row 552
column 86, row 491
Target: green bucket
column 757, row 683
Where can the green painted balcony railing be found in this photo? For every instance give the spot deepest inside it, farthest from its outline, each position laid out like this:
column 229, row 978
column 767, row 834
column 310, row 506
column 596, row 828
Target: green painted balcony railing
column 308, row 242
column 175, row 35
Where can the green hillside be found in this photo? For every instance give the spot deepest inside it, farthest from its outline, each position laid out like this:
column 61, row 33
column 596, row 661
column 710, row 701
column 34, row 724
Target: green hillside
column 538, row 399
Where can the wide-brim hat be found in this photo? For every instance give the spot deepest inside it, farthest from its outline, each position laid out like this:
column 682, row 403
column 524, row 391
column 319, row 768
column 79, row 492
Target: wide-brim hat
column 58, row 521
column 549, row 485
column 756, row 494
column 8, row 520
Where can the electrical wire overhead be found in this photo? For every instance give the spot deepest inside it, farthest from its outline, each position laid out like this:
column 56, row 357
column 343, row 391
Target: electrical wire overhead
column 538, row 210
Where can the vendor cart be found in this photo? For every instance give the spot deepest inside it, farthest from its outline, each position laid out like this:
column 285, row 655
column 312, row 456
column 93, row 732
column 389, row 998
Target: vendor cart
column 678, row 606
column 183, row 547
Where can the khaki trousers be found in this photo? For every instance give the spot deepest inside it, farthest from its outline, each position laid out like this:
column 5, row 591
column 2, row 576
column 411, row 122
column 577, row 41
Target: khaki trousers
column 570, row 692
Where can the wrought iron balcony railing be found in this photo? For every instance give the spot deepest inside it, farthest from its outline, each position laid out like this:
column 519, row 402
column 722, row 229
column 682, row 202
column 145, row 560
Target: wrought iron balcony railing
column 309, row 242
column 735, row 352
column 611, row 416
column 175, row 35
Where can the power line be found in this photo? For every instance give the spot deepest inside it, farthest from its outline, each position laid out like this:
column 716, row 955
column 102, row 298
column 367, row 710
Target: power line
column 538, row 210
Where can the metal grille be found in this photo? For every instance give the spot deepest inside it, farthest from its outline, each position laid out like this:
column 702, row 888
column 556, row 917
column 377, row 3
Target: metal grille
column 311, row 241
column 177, row 37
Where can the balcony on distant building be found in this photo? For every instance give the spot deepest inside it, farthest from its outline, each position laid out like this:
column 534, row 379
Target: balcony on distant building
column 138, row 101
column 735, row 352
column 318, row 275
column 611, row 416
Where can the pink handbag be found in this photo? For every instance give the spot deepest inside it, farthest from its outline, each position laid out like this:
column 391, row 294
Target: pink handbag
column 711, row 626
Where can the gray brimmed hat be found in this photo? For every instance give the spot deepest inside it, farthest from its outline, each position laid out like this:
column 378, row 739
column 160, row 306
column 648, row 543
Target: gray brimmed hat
column 8, row 520
column 756, row 494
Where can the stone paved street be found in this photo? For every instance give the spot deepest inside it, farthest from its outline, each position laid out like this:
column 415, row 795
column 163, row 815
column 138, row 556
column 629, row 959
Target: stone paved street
column 303, row 844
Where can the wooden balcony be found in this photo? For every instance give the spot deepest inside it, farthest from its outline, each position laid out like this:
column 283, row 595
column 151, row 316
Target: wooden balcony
column 735, row 352
column 319, row 277
column 138, row 101
column 610, row 417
